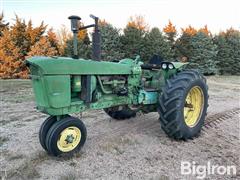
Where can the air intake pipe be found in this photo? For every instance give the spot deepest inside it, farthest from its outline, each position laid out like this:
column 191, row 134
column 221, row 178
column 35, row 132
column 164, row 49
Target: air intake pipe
column 96, row 37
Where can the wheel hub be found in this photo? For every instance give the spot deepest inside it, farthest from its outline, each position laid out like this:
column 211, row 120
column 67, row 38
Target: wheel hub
column 69, row 139
column 193, row 107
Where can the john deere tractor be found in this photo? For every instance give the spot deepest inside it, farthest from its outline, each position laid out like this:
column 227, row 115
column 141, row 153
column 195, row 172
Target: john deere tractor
column 64, row 85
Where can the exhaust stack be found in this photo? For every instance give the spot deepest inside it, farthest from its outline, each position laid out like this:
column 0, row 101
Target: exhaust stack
column 96, row 37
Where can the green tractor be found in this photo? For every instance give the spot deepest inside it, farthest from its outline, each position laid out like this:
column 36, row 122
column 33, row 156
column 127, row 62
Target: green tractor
column 63, row 86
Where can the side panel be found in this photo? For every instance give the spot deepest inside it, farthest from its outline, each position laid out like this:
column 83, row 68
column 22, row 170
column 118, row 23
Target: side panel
column 58, row 90
column 38, row 88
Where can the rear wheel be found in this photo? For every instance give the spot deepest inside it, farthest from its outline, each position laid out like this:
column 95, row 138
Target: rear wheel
column 66, row 136
column 120, row 112
column 183, row 105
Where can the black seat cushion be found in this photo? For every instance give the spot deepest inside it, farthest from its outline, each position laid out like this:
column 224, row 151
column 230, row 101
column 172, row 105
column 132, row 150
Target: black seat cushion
column 156, row 59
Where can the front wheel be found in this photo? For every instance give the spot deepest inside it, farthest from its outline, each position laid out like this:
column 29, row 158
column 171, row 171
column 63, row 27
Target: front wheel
column 183, row 105
column 66, row 136
column 46, row 125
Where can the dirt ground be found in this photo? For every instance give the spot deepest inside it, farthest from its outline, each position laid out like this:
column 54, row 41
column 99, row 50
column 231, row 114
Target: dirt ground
column 131, row 149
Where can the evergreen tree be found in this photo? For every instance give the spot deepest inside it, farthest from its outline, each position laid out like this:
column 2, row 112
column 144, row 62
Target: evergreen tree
column 10, row 64
column 205, row 31
column 156, row 44
column 52, row 38
column 15, row 44
column 34, row 33
column 84, row 45
column 110, row 42
column 43, row 47
column 133, row 38
column 84, row 49
column 204, row 53
column 197, row 47
column 132, row 42
column 3, row 24
column 63, row 35
column 170, row 32
column 83, row 34
column 138, row 22
column 228, row 55
column 183, row 48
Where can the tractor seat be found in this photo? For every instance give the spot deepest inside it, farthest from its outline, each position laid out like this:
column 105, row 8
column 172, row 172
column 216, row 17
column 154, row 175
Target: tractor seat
column 154, row 63
column 156, row 59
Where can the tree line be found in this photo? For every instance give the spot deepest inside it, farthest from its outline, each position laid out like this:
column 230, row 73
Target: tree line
column 212, row 54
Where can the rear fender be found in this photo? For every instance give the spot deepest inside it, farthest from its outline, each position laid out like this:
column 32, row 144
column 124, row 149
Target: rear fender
column 178, row 66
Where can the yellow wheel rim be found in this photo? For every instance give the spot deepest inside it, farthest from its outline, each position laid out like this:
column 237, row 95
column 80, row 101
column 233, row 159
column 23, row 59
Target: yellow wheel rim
column 193, row 108
column 69, row 139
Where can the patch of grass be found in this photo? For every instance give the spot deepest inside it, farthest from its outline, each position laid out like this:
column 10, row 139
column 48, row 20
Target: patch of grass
column 16, row 157
column 13, row 83
column 69, row 176
column 28, row 97
column 72, row 163
column 27, row 170
column 19, row 125
column 113, row 148
column 4, row 153
column 225, row 79
column 11, row 119
column 16, row 91
column 3, row 140
column 117, row 145
column 163, row 177
column 3, row 175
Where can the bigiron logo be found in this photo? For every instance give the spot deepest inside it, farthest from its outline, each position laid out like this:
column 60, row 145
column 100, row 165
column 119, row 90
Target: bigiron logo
column 202, row 171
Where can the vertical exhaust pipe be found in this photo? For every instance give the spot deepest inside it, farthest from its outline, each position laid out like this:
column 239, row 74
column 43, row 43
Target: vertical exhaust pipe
column 75, row 28
column 96, row 49
column 96, row 37
column 96, row 40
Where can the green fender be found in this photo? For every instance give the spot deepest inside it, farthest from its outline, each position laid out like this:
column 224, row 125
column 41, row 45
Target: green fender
column 179, row 65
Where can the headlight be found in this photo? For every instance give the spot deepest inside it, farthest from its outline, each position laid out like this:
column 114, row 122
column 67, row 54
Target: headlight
column 164, row 66
column 170, row 66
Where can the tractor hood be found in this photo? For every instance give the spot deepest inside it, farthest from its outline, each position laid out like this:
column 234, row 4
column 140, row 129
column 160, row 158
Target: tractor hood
column 65, row 65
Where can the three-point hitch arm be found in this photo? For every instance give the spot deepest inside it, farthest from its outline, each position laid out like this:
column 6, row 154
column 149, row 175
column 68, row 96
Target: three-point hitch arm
column 96, row 39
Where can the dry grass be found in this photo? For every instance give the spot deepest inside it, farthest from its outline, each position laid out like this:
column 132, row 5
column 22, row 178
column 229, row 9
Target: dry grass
column 69, row 176
column 116, row 148
column 117, row 145
column 225, row 79
column 16, row 157
column 27, row 169
column 3, row 140
column 12, row 83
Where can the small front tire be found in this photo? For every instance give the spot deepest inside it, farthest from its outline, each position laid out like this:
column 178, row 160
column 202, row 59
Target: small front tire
column 46, row 125
column 66, row 136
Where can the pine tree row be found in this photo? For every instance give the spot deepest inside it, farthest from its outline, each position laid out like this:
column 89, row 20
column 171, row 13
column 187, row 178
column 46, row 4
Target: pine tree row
column 212, row 54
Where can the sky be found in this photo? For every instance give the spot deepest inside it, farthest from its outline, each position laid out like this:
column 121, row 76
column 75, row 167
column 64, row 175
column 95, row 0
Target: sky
column 217, row 14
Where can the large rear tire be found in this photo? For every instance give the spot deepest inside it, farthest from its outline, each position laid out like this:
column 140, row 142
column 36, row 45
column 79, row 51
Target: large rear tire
column 120, row 112
column 183, row 105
